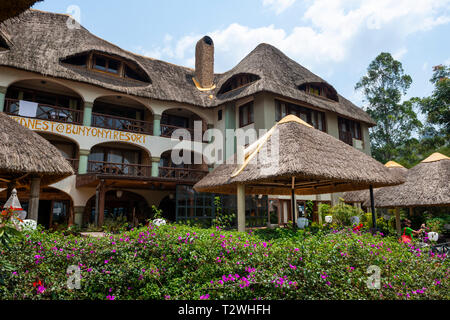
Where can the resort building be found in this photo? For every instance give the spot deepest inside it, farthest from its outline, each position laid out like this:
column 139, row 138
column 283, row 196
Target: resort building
column 112, row 113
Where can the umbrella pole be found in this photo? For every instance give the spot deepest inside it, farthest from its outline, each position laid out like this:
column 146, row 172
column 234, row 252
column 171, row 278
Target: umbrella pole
column 241, row 207
column 294, row 225
column 372, row 206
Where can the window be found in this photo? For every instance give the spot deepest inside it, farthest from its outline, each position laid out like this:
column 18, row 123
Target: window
column 219, row 115
column 313, row 117
column 349, row 130
column 246, row 114
column 111, row 65
column 238, row 81
column 320, row 89
column 105, row 64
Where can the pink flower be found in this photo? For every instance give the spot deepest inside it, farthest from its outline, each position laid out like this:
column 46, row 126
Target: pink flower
column 109, row 297
column 204, row 297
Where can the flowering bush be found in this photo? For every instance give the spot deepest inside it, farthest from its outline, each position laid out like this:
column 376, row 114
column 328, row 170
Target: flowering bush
column 181, row 262
column 9, row 226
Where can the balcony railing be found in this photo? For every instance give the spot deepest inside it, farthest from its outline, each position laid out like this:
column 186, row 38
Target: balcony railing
column 119, row 169
column 121, row 124
column 181, row 173
column 42, row 111
column 139, row 170
column 167, row 130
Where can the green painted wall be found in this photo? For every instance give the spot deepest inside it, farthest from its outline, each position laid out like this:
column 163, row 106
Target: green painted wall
column 87, row 114
column 230, row 123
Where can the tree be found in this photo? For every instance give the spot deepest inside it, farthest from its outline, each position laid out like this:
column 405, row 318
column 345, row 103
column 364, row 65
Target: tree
column 437, row 106
column 383, row 86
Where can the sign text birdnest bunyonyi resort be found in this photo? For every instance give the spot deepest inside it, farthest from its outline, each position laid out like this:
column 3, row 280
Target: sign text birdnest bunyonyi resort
column 72, row 129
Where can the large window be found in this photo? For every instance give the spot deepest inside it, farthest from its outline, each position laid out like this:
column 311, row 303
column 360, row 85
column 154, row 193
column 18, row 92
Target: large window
column 313, row 117
column 104, row 63
column 320, row 90
column 104, row 154
column 238, row 81
column 201, row 208
column 246, row 114
column 349, row 130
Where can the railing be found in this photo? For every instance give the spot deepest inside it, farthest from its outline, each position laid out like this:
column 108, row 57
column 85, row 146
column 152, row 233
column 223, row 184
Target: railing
column 181, row 173
column 167, row 130
column 119, row 169
column 139, row 170
column 43, row 111
column 74, row 163
column 122, row 124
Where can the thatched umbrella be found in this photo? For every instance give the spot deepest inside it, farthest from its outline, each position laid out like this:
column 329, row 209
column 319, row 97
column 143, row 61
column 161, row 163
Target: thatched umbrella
column 427, row 185
column 28, row 159
column 362, row 196
column 12, row 8
column 294, row 158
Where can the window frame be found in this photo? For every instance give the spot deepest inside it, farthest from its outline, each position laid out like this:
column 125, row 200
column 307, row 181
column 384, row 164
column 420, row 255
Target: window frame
column 310, row 113
column 250, row 114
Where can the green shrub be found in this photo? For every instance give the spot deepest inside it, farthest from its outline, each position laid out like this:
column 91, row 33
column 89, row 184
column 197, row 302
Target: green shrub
column 342, row 213
column 182, row 262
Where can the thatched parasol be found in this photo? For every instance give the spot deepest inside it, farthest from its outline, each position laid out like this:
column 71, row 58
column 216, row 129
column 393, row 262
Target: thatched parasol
column 12, row 8
column 24, row 154
column 293, row 157
column 362, row 196
column 427, row 184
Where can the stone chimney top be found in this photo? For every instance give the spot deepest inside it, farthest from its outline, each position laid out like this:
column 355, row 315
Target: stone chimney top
column 204, row 63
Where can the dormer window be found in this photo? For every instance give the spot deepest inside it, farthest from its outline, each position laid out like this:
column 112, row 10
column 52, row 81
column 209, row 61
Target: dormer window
column 320, row 90
column 104, row 63
column 238, row 81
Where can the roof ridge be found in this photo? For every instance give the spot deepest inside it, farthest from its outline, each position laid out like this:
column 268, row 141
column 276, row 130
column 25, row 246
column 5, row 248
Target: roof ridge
column 435, row 157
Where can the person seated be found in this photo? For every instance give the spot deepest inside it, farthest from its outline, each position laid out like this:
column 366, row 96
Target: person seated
column 408, row 232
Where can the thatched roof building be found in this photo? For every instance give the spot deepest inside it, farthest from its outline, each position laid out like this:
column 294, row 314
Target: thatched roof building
column 427, row 184
column 362, row 196
column 24, row 154
column 12, row 8
column 319, row 162
column 42, row 42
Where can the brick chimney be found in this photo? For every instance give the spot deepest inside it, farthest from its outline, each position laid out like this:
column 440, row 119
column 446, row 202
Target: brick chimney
column 204, row 62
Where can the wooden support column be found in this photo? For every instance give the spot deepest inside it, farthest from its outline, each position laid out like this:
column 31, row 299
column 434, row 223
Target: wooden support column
column 33, row 203
column 10, row 187
column 241, row 207
column 372, row 206
column 101, row 192
column 397, row 221
column 293, row 203
column 411, row 212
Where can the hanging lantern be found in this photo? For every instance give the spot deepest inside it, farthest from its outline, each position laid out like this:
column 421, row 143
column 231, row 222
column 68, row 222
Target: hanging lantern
column 433, row 236
column 328, row 219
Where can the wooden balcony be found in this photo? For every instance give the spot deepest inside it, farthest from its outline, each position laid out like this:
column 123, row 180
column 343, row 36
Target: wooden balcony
column 43, row 111
column 181, row 173
column 122, row 124
column 167, row 130
column 120, row 169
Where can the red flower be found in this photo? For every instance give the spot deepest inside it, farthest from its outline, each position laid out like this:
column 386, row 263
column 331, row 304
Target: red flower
column 35, row 284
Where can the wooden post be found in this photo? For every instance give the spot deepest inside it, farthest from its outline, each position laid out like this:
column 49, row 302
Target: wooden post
column 33, row 203
column 10, row 187
column 372, row 206
column 101, row 203
column 293, row 203
column 411, row 211
column 241, row 207
column 397, row 220
column 71, row 219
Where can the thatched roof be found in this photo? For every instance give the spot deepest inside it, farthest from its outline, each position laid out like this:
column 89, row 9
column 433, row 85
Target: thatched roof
column 41, row 40
column 364, row 195
column 12, row 8
column 427, row 184
column 319, row 162
column 24, row 152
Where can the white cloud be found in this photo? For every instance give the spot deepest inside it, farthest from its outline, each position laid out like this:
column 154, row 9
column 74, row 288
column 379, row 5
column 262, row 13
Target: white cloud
column 328, row 31
column 398, row 55
column 278, row 5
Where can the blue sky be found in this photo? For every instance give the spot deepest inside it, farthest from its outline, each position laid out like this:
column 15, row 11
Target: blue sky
column 336, row 39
